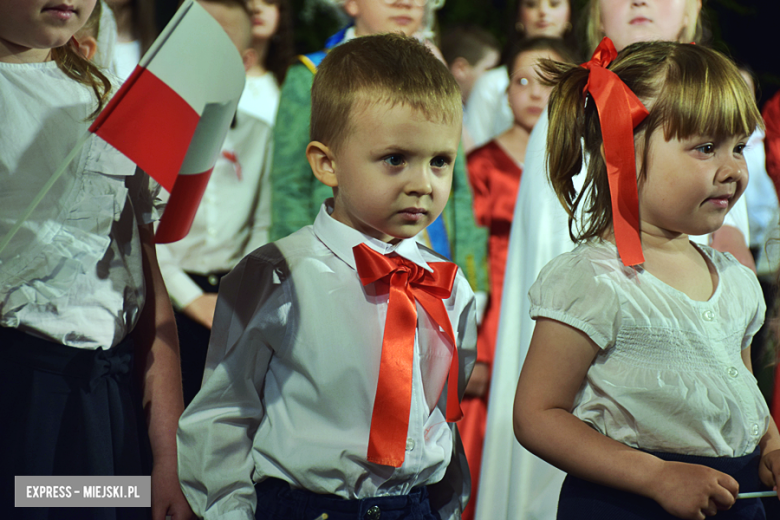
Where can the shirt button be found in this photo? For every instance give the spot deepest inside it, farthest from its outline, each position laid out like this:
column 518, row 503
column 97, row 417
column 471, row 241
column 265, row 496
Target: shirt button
column 732, row 372
column 409, row 444
column 373, row 513
column 755, row 430
column 708, row 315
column 213, row 280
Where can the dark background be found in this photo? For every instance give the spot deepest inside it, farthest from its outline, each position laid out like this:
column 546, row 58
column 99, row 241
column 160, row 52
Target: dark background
column 748, row 31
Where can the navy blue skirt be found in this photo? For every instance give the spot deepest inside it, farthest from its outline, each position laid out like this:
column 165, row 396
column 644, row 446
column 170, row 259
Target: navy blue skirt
column 583, row 500
column 68, row 411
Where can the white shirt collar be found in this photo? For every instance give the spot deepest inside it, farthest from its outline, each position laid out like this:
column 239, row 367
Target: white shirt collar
column 340, row 239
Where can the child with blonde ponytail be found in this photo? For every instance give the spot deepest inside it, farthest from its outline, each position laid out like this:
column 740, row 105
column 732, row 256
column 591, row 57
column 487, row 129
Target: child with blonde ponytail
column 638, row 381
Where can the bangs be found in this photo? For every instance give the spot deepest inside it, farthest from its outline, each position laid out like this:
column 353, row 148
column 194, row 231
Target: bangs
column 719, row 105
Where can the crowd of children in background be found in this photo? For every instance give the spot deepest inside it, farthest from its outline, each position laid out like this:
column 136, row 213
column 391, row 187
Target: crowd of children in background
column 423, row 158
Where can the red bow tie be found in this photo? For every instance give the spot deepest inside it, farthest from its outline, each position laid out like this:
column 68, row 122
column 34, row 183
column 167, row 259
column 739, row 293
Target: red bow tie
column 409, row 283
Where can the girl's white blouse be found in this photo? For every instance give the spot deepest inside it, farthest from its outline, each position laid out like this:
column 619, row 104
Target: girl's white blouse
column 73, row 273
column 670, row 376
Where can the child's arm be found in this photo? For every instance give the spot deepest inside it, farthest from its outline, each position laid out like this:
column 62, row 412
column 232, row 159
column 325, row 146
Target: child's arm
column 157, row 348
column 769, row 470
column 558, row 360
column 216, row 432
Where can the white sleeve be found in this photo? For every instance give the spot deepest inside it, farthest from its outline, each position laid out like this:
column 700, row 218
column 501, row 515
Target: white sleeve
column 487, row 107
column 570, row 290
column 449, row 494
column 181, row 288
column 216, row 431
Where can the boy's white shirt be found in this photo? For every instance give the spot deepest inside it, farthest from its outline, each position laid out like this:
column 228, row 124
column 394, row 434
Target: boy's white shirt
column 301, row 330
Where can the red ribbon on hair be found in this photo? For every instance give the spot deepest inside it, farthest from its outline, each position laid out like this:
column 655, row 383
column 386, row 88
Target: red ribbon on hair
column 409, row 283
column 620, row 111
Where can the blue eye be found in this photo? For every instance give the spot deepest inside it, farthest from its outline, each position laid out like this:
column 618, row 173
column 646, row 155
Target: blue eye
column 394, row 160
column 439, row 162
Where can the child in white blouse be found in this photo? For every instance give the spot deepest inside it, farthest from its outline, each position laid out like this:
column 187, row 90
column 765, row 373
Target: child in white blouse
column 638, row 381
column 88, row 353
column 339, row 354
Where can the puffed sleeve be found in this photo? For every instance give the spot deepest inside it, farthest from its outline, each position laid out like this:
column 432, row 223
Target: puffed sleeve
column 216, row 431
column 757, row 306
column 579, row 292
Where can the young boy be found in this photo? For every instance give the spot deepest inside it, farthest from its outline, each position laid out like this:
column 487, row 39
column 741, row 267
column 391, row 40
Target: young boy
column 296, row 195
column 469, row 51
column 232, row 219
column 327, row 388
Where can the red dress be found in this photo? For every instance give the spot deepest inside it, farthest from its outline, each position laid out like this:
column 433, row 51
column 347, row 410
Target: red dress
column 495, row 180
column 771, row 115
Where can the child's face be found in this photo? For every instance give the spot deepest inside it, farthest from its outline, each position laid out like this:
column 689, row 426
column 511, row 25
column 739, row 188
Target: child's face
column 393, row 171
column 265, row 18
column 527, row 96
column 233, row 20
column 690, row 184
column 467, row 74
column 544, row 17
column 34, row 27
column 385, row 16
column 626, row 21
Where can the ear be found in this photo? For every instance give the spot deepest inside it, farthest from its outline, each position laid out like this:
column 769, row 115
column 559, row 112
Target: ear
column 87, row 46
column 459, row 68
column 323, row 163
column 249, row 57
column 352, row 9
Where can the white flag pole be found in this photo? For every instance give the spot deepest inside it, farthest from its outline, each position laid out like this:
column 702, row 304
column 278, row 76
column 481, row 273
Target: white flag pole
column 44, row 190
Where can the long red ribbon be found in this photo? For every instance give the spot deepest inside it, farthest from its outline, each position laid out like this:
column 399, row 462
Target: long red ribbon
column 620, row 111
column 409, row 283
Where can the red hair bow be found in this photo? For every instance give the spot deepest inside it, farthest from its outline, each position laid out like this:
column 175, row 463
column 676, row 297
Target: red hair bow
column 620, row 111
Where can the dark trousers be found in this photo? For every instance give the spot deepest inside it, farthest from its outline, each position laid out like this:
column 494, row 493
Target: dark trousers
column 68, row 411
column 583, row 500
column 276, row 500
column 194, row 340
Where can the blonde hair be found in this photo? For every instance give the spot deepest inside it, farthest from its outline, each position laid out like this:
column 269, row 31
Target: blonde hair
column 382, row 68
column 690, row 33
column 688, row 89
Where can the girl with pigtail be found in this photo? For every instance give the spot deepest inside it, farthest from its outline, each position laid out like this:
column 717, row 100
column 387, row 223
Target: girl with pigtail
column 89, row 358
column 638, row 381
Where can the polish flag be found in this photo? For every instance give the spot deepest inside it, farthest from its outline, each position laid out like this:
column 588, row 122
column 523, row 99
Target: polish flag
column 172, row 114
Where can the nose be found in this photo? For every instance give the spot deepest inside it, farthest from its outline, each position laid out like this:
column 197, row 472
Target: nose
column 535, row 89
column 734, row 169
column 418, row 182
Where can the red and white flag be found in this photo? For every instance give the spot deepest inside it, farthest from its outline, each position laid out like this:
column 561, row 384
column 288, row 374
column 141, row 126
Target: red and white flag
column 172, row 114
